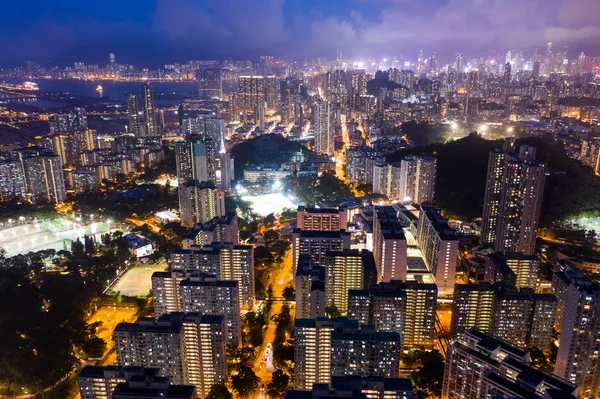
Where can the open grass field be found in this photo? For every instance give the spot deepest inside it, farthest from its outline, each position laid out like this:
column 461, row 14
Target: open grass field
column 137, row 280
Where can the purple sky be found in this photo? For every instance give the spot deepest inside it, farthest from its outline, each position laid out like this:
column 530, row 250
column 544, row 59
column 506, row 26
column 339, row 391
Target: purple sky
column 159, row 31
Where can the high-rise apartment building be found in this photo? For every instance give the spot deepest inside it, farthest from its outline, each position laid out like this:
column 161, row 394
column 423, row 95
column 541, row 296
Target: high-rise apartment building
column 196, row 160
column 513, row 199
column 45, row 178
column 439, row 247
column 386, row 179
column 404, row 307
column 224, row 260
column 473, row 306
column 417, row 179
column 112, row 382
column 133, row 113
column 347, row 270
column 515, row 269
column 210, row 83
column 324, row 128
column 178, row 291
column 577, row 359
column 360, row 164
column 319, row 219
column 389, row 245
column 357, row 387
column 203, row 127
column 524, row 318
column 219, row 229
column 188, row 348
column 149, row 113
column 316, row 243
column 200, row 202
column 521, row 317
column 326, row 348
column 480, row 365
column 310, row 289
column 12, row 182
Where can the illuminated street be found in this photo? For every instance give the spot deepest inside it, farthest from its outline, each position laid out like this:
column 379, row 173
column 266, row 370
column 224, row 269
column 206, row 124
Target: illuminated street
column 280, row 279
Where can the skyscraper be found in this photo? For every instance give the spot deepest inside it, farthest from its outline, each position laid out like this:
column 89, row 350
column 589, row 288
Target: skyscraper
column 324, row 128
column 210, row 83
column 133, row 112
column 513, row 200
column 149, row 115
column 458, row 63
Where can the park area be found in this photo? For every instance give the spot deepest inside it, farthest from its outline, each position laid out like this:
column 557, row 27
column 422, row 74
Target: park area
column 137, row 281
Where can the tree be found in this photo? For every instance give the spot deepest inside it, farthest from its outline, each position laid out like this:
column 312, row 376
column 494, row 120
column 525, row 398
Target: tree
column 289, row 292
column 244, row 382
column 89, row 245
column 271, row 235
column 269, row 220
column 78, row 249
column 219, row 391
column 262, row 255
column 281, row 247
column 94, row 347
column 428, row 378
column 332, row 312
column 279, row 383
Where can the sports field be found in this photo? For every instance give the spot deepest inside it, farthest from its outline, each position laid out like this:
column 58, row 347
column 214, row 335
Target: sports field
column 54, row 234
column 137, row 281
column 589, row 224
column 269, row 203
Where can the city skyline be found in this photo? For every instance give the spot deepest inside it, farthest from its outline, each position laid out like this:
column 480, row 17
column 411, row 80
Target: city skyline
column 159, row 31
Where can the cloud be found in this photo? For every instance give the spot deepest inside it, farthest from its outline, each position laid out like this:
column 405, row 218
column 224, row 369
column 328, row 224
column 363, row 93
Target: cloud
column 171, row 30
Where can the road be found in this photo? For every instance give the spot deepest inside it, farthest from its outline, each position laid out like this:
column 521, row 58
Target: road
column 280, row 278
column 110, row 316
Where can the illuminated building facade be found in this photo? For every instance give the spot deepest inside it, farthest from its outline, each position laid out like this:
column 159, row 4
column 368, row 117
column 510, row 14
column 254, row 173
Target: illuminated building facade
column 188, row 348
column 179, row 291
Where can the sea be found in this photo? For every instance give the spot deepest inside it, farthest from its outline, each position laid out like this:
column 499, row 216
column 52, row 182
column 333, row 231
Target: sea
column 112, row 90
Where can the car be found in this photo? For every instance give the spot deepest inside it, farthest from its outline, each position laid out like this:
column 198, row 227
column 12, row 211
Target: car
column 262, row 388
column 268, row 346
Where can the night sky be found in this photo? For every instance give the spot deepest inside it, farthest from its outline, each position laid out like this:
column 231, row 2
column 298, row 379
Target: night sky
column 154, row 32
